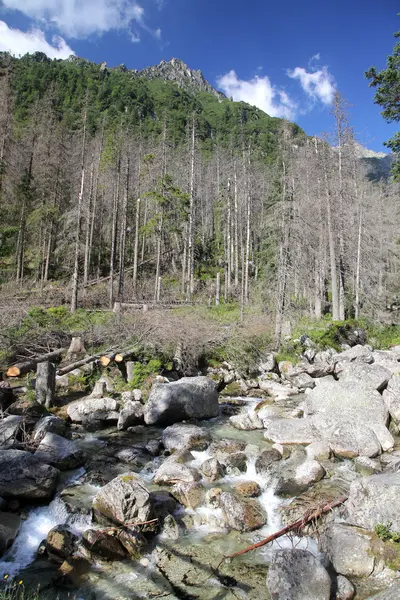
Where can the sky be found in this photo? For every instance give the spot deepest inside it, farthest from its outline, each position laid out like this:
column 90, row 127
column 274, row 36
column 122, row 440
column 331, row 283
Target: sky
column 286, row 57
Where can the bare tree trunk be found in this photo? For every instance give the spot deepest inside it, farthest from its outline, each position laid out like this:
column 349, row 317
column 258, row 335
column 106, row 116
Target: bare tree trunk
column 75, row 276
column 123, row 234
column 114, row 230
column 190, row 271
column 236, row 229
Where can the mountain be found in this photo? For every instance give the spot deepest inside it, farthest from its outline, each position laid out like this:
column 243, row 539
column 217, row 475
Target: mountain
column 178, row 72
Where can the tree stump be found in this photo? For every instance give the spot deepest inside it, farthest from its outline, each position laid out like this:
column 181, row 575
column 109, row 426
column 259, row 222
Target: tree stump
column 130, row 368
column 45, row 384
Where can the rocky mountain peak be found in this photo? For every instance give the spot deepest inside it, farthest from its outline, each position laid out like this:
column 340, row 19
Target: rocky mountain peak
column 177, row 71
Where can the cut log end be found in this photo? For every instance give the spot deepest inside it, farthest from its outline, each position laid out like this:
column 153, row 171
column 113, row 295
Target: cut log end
column 105, row 361
column 119, row 358
column 13, row 372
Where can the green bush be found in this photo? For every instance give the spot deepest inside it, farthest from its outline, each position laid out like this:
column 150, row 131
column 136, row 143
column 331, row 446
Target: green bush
column 385, row 534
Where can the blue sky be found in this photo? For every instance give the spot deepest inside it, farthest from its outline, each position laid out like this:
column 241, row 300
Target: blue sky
column 286, row 57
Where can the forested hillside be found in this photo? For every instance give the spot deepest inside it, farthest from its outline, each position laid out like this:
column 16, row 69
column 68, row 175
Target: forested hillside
column 117, row 186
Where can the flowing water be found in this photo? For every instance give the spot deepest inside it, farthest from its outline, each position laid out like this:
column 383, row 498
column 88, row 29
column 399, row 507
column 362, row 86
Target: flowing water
column 142, row 579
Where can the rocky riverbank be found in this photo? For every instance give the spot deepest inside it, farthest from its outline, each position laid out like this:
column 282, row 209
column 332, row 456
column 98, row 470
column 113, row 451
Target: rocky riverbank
column 114, row 497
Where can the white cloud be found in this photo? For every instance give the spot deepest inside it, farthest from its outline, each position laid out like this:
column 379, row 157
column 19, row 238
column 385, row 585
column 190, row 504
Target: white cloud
column 19, row 42
column 259, row 92
column 81, row 18
column 157, row 34
column 135, row 38
column 318, row 85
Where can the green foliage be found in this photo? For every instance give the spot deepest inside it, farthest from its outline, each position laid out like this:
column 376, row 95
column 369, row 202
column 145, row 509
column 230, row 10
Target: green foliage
column 384, row 532
column 387, row 84
column 244, row 351
column 142, row 372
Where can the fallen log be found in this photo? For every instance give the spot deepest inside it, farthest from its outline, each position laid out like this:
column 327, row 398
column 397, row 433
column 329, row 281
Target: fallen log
column 22, row 368
column 78, row 364
column 122, row 356
column 297, row 526
column 106, row 359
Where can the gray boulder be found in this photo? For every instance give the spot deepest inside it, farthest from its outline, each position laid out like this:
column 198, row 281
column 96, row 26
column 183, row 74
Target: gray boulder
column 348, row 549
column 131, row 415
column 10, row 428
column 388, row 359
column 297, row 575
column 367, row 376
column 357, row 353
column 9, row 527
column 190, row 495
column 49, row 424
column 349, row 417
column 60, row 453
column 345, row 590
column 391, row 397
column 25, row 477
column 172, row 472
column 291, row 431
column 186, row 437
column 124, row 500
column 375, row 499
column 212, row 469
column 188, row 398
column 248, row 421
column 241, row 514
column 99, row 409
column 303, row 381
column 392, row 593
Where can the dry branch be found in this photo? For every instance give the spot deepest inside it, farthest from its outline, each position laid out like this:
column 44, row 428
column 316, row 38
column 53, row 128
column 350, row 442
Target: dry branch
column 297, row 526
column 78, row 364
column 29, row 365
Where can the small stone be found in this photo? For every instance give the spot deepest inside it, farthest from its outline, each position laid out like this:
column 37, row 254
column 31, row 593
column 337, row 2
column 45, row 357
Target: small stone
column 345, row 590
column 212, row 469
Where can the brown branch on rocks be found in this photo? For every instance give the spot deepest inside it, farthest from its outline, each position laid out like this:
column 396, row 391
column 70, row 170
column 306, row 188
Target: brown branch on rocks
column 80, row 363
column 297, row 526
column 115, row 531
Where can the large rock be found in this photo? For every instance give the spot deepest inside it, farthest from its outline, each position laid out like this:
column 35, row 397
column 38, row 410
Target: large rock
column 61, row 543
column 131, row 415
column 348, row 549
column 100, row 409
column 297, row 575
column 349, row 417
column 391, row 397
column 124, row 500
column 172, row 472
column 10, row 429
column 242, row 514
column 188, row 398
column 357, row 353
column 190, row 495
column 25, row 477
column 375, row 499
column 49, row 424
column 59, row 452
column 291, row 431
column 9, row 526
column 392, row 593
column 389, row 360
column 212, row 469
column 186, row 437
column 246, row 421
column 369, row 377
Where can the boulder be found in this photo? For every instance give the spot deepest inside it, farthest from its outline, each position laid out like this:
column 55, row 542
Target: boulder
column 348, row 549
column 49, row 424
column 291, row 431
column 345, row 590
column 357, row 353
column 277, row 390
column 172, row 472
column 309, row 472
column 9, row 527
column 267, row 364
column 303, row 381
column 391, row 397
column 369, row 377
column 60, row 453
column 367, row 466
column 131, row 415
column 212, row 469
column 60, row 543
column 297, row 575
column 105, row 544
column 246, row 421
column 265, row 459
column 389, row 360
column 392, row 593
column 186, row 437
column 24, row 477
column 98, row 409
column 188, row 398
column 248, row 489
column 10, row 429
column 318, row 451
column 349, row 416
column 226, row 446
column 241, row 514
column 190, row 495
column 163, row 503
column 235, row 463
column 124, row 500
column 375, row 499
